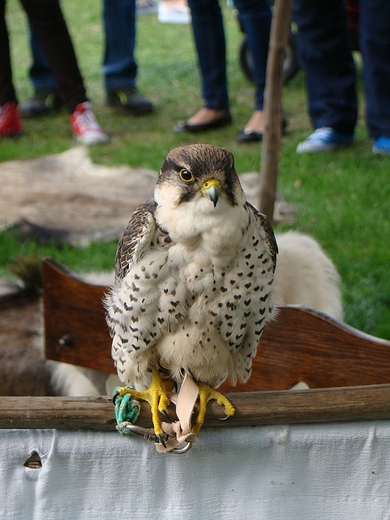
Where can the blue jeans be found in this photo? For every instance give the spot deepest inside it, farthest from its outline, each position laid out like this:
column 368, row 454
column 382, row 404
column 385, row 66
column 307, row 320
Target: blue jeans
column 119, row 65
column 324, row 53
column 209, row 37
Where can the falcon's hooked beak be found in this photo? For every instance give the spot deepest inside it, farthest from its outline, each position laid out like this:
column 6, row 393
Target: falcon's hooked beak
column 212, row 190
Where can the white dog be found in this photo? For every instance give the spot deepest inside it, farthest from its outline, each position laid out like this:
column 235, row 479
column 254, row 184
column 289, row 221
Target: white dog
column 306, row 276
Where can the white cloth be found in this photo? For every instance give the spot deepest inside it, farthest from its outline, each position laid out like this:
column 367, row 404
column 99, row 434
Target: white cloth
column 304, row 472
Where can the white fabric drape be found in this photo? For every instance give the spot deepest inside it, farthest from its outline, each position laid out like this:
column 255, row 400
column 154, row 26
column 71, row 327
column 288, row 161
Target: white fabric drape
column 304, row 472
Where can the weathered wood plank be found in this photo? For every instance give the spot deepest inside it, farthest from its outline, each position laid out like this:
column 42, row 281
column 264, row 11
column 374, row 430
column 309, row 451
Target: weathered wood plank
column 252, row 409
column 301, row 344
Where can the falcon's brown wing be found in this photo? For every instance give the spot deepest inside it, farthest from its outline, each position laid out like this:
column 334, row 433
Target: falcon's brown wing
column 135, row 239
column 270, row 237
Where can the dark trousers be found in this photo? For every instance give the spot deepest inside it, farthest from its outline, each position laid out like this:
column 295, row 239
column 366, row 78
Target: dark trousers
column 49, row 24
column 119, row 64
column 209, row 36
column 325, row 55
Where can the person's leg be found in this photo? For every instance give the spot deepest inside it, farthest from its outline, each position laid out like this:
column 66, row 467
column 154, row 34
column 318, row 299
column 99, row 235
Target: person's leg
column 210, row 44
column 49, row 24
column 119, row 64
column 119, row 22
column 9, row 119
column 7, row 90
column 209, row 37
column 255, row 17
column 324, row 53
column 374, row 44
column 45, row 99
column 40, row 72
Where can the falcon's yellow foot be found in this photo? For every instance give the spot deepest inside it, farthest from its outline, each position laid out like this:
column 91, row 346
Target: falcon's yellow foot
column 205, row 395
column 156, row 396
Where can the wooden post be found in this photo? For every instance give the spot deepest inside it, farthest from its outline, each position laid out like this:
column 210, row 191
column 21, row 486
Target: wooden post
column 272, row 107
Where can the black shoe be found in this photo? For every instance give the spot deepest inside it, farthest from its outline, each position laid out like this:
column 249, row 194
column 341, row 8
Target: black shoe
column 130, row 101
column 256, row 137
column 219, row 122
column 44, row 103
column 248, row 137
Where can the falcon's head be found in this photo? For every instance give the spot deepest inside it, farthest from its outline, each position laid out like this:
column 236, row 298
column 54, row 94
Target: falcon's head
column 201, row 177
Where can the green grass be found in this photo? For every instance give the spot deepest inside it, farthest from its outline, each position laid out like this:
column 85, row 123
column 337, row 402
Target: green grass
column 342, row 199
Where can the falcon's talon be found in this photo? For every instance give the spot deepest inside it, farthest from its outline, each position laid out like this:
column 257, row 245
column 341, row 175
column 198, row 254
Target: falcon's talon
column 122, row 390
column 207, row 393
column 161, row 440
column 157, row 398
column 227, row 416
column 165, row 414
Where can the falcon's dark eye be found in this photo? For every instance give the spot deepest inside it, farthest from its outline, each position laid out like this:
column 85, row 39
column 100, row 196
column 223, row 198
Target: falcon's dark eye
column 186, row 176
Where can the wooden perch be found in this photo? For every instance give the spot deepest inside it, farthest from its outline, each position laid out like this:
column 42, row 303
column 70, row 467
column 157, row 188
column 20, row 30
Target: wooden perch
column 252, row 409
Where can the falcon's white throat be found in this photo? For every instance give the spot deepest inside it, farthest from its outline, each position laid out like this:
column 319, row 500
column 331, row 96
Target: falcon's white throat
column 199, row 217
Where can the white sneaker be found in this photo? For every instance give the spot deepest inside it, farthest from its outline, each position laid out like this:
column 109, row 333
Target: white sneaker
column 324, row 139
column 85, row 127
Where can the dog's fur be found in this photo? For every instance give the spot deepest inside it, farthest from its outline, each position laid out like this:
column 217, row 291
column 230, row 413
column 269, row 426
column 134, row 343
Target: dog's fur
column 304, row 275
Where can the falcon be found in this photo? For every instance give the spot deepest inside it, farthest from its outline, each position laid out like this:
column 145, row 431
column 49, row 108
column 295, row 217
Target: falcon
column 194, row 282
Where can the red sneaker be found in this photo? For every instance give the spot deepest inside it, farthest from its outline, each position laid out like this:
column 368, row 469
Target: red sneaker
column 10, row 125
column 85, row 127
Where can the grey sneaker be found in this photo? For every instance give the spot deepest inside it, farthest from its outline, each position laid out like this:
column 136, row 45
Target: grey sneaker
column 44, row 103
column 130, row 101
